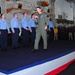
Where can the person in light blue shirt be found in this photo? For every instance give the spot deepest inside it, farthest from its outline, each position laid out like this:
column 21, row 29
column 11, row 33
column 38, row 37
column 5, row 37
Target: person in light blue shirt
column 32, row 28
column 51, row 25
column 15, row 27
column 15, row 23
column 25, row 30
column 4, row 29
column 51, row 29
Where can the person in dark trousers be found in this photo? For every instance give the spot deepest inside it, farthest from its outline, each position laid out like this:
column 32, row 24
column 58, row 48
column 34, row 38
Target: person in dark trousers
column 0, row 40
column 25, row 30
column 41, row 29
column 51, row 30
column 15, row 27
column 4, row 30
column 32, row 29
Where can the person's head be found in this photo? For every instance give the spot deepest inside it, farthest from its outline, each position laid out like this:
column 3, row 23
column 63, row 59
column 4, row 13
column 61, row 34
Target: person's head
column 25, row 14
column 50, row 19
column 3, row 16
column 15, row 15
column 39, row 10
column 55, row 26
column 33, row 15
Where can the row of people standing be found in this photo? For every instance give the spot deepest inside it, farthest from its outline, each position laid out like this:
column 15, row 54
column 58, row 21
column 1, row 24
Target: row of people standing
column 27, row 26
column 16, row 29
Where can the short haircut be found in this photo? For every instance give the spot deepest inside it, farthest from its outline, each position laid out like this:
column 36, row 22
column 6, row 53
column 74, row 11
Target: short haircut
column 32, row 15
column 14, row 14
column 24, row 13
column 38, row 7
column 50, row 19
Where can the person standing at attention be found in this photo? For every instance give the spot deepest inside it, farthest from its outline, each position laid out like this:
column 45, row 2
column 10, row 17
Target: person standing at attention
column 32, row 29
column 41, row 29
column 15, row 27
column 25, row 30
column 51, row 30
column 4, row 30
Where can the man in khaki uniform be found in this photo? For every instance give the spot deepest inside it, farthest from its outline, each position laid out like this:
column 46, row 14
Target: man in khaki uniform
column 41, row 30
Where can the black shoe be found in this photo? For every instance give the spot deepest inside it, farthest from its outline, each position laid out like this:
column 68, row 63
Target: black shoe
column 34, row 50
column 44, row 50
column 4, row 49
column 18, row 47
column 14, row 47
column 23, row 46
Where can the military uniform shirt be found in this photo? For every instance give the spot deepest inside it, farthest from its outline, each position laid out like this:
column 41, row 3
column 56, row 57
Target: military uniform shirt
column 32, row 23
column 51, row 25
column 15, row 24
column 25, row 23
column 4, row 25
